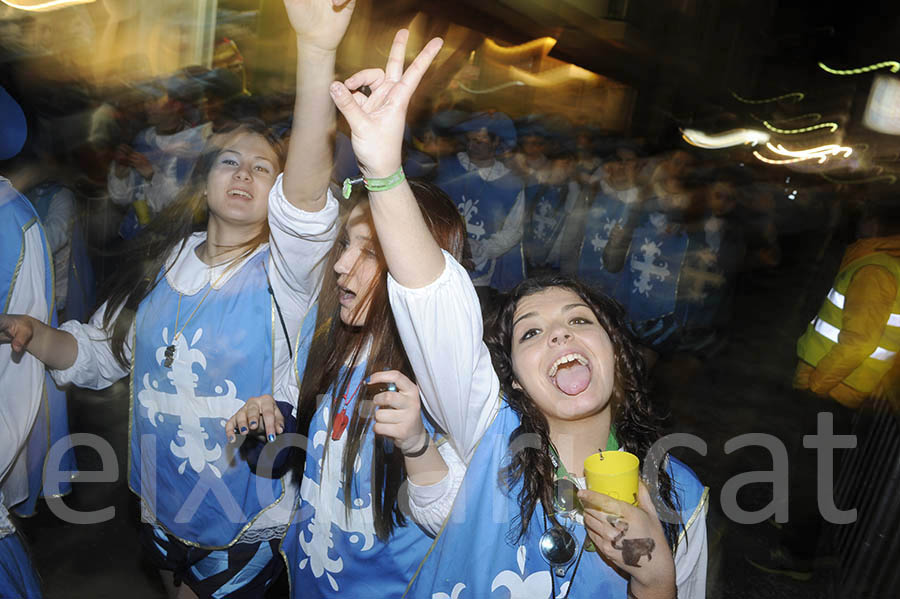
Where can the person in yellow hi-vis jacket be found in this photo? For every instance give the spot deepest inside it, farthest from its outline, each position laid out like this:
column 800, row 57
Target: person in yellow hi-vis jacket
column 854, row 340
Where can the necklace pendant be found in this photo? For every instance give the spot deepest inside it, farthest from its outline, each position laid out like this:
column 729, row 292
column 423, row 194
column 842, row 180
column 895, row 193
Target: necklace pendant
column 340, row 425
column 170, row 356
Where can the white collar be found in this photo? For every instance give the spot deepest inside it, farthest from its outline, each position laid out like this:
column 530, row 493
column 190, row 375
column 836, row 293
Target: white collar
column 188, row 274
column 488, row 173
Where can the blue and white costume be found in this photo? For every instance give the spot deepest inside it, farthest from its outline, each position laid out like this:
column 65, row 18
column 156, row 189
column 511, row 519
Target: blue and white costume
column 546, row 209
column 492, row 202
column 331, row 551
column 195, row 488
column 608, row 210
column 26, row 287
column 460, row 389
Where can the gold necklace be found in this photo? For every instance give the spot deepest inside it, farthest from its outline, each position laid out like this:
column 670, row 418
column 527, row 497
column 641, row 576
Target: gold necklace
column 170, row 349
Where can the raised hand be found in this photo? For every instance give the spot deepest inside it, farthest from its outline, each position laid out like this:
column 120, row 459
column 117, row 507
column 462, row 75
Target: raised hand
column 320, row 23
column 377, row 121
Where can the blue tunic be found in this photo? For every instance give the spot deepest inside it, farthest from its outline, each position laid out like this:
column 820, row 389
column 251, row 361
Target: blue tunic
column 477, row 554
column 52, row 423
column 604, row 215
column 545, row 214
column 199, row 489
column 17, row 577
column 653, row 269
column 329, row 551
column 485, row 205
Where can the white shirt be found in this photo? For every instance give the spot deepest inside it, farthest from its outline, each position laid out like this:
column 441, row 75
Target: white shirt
column 459, row 389
column 21, row 381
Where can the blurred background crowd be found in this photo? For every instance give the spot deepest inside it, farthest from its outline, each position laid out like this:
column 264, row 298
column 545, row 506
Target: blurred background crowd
column 702, row 161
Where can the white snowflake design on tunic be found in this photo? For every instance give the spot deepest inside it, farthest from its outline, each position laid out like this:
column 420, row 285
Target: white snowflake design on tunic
column 458, row 588
column 599, row 241
column 189, row 407
column 539, row 584
column 325, row 496
column 469, row 209
column 544, row 221
column 701, row 275
column 649, row 267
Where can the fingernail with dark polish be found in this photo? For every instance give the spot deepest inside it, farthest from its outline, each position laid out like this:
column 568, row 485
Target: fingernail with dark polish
column 243, row 429
column 271, row 437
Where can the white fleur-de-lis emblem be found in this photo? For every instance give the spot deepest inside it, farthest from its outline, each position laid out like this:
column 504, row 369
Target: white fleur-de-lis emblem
column 648, row 267
column 186, row 405
column 454, row 594
column 536, row 586
column 468, row 209
column 544, row 222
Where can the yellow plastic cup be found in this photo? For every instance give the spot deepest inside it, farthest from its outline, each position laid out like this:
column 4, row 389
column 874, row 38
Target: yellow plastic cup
column 614, row 473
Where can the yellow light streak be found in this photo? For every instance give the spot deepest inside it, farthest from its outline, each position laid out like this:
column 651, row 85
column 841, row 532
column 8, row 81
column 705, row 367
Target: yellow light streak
column 489, row 90
column 829, row 125
column 798, row 95
column 545, row 44
column 820, row 154
column 895, row 66
column 727, row 139
column 559, row 75
column 45, row 6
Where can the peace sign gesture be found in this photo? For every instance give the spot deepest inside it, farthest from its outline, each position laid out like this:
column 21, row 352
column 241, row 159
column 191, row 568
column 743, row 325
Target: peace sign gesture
column 377, row 121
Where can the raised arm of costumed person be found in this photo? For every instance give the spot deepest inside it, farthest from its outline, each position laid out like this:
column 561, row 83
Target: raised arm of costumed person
column 302, row 210
column 432, row 298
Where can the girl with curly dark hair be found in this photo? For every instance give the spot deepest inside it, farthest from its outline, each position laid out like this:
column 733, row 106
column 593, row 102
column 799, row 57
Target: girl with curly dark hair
column 566, row 382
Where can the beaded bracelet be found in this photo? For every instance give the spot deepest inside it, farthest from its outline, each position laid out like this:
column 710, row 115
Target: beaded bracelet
column 383, row 184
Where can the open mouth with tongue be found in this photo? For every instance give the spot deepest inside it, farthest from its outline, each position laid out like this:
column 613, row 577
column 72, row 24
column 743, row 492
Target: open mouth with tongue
column 571, row 373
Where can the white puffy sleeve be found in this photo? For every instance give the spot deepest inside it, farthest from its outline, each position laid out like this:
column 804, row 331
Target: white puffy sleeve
column 430, row 505
column 95, row 366
column 441, row 328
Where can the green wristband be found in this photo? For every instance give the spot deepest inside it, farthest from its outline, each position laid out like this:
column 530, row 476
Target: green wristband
column 383, row 184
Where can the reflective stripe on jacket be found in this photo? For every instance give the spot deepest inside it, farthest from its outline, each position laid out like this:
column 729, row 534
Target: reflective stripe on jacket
column 824, row 332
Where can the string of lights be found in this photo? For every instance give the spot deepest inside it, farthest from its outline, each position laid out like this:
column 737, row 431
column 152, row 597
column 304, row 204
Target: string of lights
column 895, row 66
column 798, row 95
column 829, row 125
